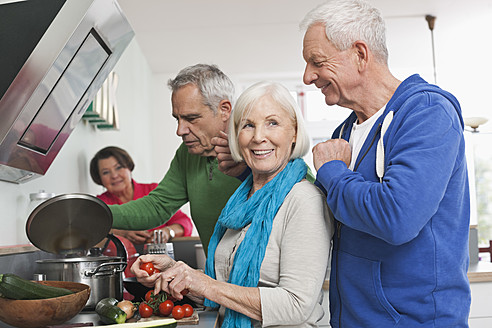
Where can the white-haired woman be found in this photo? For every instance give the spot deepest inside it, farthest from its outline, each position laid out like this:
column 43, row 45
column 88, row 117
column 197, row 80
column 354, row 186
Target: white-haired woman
column 268, row 256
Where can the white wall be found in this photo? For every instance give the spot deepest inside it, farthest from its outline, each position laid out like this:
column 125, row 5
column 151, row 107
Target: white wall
column 163, row 125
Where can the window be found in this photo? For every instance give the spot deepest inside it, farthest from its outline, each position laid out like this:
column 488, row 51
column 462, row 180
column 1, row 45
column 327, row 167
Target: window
column 479, row 158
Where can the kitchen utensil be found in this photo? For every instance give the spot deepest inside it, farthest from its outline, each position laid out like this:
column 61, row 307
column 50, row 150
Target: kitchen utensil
column 45, row 312
column 39, row 277
column 69, row 225
column 102, row 273
column 158, row 246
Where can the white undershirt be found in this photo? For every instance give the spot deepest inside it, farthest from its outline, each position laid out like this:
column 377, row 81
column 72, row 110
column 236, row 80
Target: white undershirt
column 359, row 135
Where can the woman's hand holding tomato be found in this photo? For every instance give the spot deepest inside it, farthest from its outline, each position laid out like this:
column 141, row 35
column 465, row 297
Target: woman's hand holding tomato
column 175, row 278
column 147, row 267
column 142, row 268
column 181, row 279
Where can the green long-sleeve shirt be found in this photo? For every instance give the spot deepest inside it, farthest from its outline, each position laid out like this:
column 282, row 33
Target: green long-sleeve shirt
column 190, row 178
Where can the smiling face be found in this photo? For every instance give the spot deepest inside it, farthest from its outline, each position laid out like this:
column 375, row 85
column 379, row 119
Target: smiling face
column 331, row 70
column 114, row 177
column 197, row 123
column 265, row 140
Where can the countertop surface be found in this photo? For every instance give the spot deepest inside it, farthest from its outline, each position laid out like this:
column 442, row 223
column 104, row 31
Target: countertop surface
column 480, row 272
column 207, row 319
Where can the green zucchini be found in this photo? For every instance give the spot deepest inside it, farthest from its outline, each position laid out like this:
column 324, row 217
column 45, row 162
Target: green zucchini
column 15, row 287
column 109, row 312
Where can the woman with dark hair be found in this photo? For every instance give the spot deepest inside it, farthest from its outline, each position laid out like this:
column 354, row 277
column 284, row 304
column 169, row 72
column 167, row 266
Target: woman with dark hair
column 112, row 167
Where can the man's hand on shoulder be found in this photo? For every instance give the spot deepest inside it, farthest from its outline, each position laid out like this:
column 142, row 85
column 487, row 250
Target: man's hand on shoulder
column 226, row 164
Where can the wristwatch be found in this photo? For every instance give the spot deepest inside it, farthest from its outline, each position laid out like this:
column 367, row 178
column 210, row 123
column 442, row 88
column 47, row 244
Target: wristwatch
column 171, row 233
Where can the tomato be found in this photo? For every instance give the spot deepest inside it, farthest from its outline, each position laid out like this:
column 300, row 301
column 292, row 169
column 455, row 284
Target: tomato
column 178, row 312
column 149, row 295
column 156, row 270
column 166, row 307
column 145, row 310
column 188, row 310
column 148, row 267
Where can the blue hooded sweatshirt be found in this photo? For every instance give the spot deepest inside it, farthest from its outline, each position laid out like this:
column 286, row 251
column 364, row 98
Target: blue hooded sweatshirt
column 400, row 251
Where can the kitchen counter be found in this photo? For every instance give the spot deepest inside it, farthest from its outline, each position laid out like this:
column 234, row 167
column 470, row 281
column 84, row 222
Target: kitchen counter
column 207, row 319
column 17, row 249
column 480, row 272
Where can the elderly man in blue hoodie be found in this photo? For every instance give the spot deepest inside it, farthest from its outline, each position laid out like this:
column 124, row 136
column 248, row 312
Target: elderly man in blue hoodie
column 395, row 177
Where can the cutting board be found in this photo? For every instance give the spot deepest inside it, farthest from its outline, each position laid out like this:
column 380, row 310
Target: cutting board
column 133, row 324
column 193, row 320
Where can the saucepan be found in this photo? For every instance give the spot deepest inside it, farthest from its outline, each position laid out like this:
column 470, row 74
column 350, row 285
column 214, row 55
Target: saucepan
column 69, row 226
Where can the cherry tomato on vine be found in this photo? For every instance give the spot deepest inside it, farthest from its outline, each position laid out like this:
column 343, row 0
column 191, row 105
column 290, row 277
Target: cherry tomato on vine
column 178, row 312
column 148, row 267
column 145, row 310
column 166, row 308
column 148, row 295
column 188, row 310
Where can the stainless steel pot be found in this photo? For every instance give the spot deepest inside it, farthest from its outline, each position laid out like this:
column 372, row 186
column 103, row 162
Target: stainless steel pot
column 69, row 225
column 103, row 274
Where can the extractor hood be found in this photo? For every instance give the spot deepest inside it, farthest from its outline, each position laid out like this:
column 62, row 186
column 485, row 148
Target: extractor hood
column 55, row 55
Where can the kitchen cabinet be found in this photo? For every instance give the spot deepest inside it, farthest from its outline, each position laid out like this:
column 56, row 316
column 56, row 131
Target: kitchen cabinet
column 480, row 276
column 481, row 309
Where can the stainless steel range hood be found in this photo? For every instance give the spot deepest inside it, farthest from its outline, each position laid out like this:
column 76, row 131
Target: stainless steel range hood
column 55, row 55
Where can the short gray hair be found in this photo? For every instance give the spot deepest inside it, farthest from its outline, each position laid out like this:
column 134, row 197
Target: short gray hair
column 284, row 99
column 347, row 21
column 213, row 84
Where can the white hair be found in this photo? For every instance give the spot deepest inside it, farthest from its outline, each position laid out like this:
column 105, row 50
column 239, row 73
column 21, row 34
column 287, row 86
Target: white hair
column 347, row 21
column 284, row 99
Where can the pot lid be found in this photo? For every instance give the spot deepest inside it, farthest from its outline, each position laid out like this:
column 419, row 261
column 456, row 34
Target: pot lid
column 69, row 223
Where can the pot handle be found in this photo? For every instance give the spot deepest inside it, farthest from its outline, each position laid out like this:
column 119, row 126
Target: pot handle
column 120, row 248
column 121, row 267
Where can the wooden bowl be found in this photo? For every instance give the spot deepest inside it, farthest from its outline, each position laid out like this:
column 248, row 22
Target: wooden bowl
column 45, row 312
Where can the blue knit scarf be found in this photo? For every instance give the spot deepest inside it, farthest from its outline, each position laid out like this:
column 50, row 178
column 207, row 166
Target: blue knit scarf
column 259, row 210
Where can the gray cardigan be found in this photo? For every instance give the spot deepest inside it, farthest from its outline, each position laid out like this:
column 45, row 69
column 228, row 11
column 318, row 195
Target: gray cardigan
column 296, row 260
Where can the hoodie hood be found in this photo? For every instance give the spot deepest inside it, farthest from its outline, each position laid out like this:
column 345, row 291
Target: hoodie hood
column 415, row 84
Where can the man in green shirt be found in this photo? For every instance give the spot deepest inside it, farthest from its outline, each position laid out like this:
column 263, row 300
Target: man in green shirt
column 201, row 103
